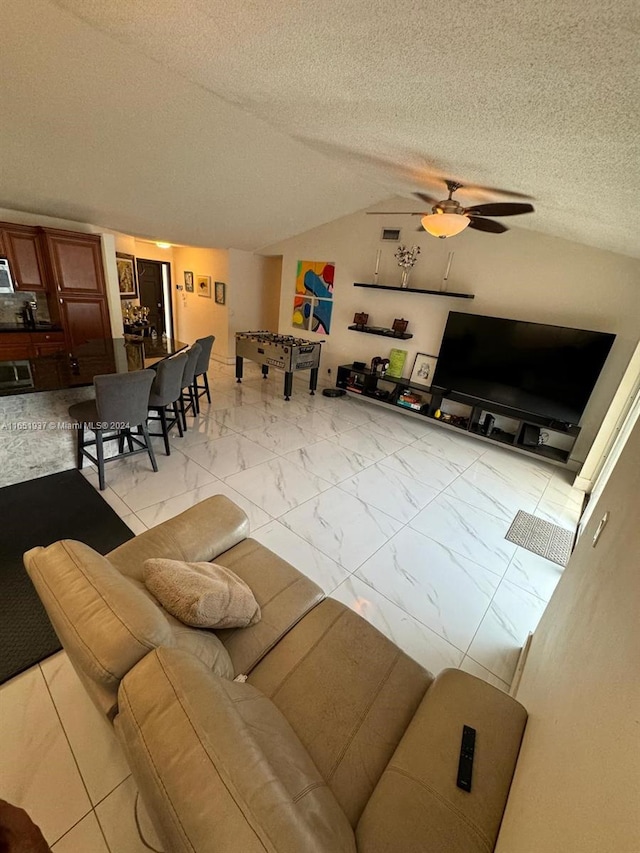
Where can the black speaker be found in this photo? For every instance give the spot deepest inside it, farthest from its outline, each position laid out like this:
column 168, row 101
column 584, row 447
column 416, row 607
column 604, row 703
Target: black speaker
column 487, row 424
column 530, row 436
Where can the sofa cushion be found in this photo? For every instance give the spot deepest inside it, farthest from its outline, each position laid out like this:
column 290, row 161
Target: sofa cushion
column 417, row 805
column 283, row 593
column 104, row 621
column 349, row 694
column 232, row 776
column 203, row 595
column 199, row 533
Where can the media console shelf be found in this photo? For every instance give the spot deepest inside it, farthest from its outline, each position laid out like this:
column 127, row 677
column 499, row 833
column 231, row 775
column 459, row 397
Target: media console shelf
column 416, row 290
column 518, row 430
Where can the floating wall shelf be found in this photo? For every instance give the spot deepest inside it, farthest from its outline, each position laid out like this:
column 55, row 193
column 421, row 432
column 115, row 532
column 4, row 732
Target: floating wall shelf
column 385, row 333
column 416, row 290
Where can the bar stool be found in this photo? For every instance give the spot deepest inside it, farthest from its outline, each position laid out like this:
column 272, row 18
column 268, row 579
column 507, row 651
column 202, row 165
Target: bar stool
column 201, row 369
column 165, row 396
column 187, row 396
column 120, row 405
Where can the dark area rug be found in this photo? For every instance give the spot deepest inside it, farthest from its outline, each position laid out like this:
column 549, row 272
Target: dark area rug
column 39, row 512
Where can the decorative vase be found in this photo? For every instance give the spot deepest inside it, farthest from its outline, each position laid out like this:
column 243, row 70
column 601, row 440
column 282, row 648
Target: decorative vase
column 404, row 281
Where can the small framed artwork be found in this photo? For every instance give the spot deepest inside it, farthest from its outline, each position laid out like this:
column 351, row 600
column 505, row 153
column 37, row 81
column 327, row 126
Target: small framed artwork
column 188, row 281
column 423, row 369
column 360, row 318
column 220, row 288
column 203, row 285
column 400, row 326
column 127, row 279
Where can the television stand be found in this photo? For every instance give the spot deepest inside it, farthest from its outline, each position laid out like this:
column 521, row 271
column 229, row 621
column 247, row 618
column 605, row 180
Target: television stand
column 522, row 432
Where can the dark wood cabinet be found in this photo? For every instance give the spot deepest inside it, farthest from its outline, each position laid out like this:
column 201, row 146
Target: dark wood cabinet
column 48, row 343
column 67, row 267
column 76, row 263
column 15, row 346
column 23, row 246
column 80, row 287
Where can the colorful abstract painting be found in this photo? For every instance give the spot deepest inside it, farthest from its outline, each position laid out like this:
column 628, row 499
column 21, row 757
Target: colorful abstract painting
column 312, row 303
column 302, row 308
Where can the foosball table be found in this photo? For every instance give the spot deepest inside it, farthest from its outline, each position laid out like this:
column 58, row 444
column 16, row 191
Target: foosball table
column 282, row 351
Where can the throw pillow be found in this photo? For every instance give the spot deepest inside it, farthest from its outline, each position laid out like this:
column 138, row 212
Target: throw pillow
column 203, row 595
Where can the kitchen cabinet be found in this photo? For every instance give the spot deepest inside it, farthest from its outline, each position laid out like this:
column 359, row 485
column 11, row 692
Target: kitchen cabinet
column 80, row 288
column 15, row 346
column 67, row 267
column 48, row 343
column 23, row 247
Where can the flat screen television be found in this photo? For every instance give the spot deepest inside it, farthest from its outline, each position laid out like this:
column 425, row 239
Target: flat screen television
column 549, row 371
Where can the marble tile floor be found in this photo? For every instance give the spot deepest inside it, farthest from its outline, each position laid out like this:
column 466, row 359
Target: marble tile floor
column 403, row 521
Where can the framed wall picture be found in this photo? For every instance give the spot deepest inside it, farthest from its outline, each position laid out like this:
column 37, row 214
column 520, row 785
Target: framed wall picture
column 423, row 369
column 203, row 285
column 220, row 288
column 127, row 278
column 188, row 281
column 400, row 326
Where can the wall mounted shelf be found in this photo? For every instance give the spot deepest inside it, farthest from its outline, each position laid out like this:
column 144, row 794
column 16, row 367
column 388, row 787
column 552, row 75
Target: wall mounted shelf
column 385, row 333
column 416, row 290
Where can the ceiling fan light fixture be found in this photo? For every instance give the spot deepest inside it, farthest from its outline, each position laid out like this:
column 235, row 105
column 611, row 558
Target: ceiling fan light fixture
column 444, row 224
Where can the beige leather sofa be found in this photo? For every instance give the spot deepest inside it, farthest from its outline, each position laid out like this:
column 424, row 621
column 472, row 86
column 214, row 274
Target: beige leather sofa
column 337, row 741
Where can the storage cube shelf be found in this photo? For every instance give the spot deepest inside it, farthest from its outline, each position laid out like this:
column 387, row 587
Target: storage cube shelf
column 458, row 411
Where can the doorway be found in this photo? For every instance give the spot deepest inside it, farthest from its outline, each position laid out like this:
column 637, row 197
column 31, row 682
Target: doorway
column 154, row 286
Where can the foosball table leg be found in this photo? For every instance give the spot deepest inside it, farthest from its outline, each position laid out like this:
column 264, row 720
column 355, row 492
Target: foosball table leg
column 313, row 381
column 265, row 371
column 239, row 361
column 288, row 385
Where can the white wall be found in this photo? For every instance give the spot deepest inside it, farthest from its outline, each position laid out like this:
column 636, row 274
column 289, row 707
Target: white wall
column 197, row 316
column 577, row 787
column 522, row 274
column 247, row 294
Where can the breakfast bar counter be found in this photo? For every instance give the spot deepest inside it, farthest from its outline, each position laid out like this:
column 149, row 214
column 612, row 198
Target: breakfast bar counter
column 28, row 364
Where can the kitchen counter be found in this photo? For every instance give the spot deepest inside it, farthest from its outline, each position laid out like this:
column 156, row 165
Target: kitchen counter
column 51, row 371
column 20, row 327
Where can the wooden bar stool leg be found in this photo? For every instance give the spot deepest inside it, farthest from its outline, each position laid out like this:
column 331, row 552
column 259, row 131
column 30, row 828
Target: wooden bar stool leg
column 152, row 455
column 80, row 458
column 176, row 412
column 183, row 412
column 100, row 458
column 165, row 431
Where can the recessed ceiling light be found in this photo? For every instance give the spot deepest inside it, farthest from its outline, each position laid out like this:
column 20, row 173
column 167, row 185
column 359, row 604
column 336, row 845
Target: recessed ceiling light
column 163, row 245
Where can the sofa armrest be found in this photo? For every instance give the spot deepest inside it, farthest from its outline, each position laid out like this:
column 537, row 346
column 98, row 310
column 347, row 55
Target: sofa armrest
column 199, row 534
column 417, row 804
column 232, row 775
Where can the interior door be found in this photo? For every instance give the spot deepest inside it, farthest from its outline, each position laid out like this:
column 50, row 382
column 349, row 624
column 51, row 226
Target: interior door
column 151, row 292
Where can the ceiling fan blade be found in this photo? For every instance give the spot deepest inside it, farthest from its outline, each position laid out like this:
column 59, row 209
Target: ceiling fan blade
column 428, row 198
column 499, row 209
column 487, row 225
column 396, row 213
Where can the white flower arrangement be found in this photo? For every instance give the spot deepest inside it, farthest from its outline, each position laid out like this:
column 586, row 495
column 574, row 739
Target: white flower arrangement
column 407, row 256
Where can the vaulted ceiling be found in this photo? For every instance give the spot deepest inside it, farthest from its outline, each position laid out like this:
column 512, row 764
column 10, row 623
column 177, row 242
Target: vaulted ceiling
column 240, row 124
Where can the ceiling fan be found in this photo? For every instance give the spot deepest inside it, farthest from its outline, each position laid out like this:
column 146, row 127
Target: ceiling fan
column 448, row 217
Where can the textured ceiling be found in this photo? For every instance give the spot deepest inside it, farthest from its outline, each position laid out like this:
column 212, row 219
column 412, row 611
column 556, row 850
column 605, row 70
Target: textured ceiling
column 243, row 123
